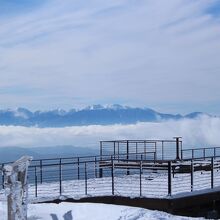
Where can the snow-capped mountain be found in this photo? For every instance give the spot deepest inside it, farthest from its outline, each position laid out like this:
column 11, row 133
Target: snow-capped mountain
column 96, row 114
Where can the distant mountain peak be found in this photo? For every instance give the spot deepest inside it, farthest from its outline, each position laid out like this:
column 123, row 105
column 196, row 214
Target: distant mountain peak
column 94, row 107
column 94, row 114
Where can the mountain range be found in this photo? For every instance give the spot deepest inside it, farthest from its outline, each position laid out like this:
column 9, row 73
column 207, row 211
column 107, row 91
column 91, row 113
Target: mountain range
column 91, row 115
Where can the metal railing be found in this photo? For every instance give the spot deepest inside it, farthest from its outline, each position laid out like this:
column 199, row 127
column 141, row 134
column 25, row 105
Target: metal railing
column 40, row 164
column 164, row 149
column 146, row 178
column 204, row 152
column 139, row 168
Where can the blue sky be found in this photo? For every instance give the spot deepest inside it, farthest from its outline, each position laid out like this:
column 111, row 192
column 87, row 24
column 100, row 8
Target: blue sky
column 155, row 53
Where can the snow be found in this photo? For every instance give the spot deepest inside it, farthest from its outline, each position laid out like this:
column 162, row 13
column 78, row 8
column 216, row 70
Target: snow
column 154, row 185
column 85, row 211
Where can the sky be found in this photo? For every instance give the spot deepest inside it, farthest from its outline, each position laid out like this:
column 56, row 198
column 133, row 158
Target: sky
column 147, row 53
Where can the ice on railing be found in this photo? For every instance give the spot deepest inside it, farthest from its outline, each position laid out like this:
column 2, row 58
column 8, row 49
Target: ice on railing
column 16, row 188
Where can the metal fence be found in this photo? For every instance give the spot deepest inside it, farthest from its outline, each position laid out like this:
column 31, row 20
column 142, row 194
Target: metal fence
column 136, row 168
column 134, row 178
column 200, row 152
column 163, row 149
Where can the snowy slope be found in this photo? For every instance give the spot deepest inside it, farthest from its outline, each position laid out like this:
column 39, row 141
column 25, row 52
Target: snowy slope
column 89, row 211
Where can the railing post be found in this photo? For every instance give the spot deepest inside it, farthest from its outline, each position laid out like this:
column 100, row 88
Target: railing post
column 41, row 172
column 128, row 171
column 136, row 150
column 35, row 172
column 203, row 153
column 60, row 176
column 127, row 150
column 85, row 178
column 155, row 150
column 145, row 150
column 118, row 151
column 162, row 150
column 140, row 178
column 78, row 171
column 214, row 152
column 177, row 147
column 192, row 153
column 192, row 171
column 3, row 177
column 101, row 149
column 112, row 171
column 95, row 167
column 212, row 172
column 100, row 169
column 169, row 178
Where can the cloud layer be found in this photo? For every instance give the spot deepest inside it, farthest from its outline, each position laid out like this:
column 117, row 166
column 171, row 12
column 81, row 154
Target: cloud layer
column 201, row 132
column 155, row 53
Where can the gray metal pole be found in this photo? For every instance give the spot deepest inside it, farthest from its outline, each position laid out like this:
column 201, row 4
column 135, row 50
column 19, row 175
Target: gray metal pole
column 177, row 147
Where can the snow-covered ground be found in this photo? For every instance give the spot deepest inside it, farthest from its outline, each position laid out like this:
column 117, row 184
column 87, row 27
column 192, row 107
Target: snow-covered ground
column 90, row 211
column 153, row 185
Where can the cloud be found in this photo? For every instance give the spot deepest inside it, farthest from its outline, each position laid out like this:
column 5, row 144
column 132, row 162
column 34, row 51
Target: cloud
column 201, row 132
column 143, row 52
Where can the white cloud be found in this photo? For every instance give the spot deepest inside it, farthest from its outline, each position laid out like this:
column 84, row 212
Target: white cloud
column 200, row 132
column 144, row 52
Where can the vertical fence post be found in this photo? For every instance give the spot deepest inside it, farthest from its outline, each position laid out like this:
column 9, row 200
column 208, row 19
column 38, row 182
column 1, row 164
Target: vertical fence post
column 145, row 150
column 214, row 152
column 78, row 171
column 136, row 150
column 204, row 153
column 127, row 150
column 3, row 178
column 212, row 172
column 114, row 149
column 192, row 171
column 177, row 147
column 181, row 150
column 41, row 172
column 112, row 171
column 95, row 167
column 128, row 171
column 100, row 169
column 162, row 150
column 60, row 176
column 35, row 173
column 140, row 178
column 118, row 151
column 85, row 178
column 169, row 178
column 192, row 153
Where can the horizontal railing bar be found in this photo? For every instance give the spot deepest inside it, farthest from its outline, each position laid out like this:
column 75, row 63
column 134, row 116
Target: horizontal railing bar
column 208, row 148
column 83, row 157
column 139, row 141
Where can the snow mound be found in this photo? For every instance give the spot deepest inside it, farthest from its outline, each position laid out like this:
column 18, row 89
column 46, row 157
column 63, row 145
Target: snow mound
column 85, row 211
